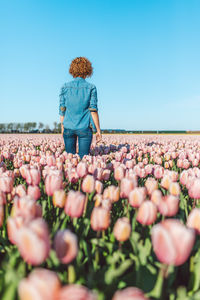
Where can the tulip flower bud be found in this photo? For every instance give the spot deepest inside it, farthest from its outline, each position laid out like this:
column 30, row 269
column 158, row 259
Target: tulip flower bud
column 34, row 191
column 59, row 198
column 88, row 184
column 66, row 246
column 122, row 229
column 130, row 293
column 100, row 218
column 74, row 204
column 147, row 213
column 193, row 220
column 119, row 173
column 174, row 189
column 172, row 242
column 151, row 185
column 53, row 182
column 137, row 196
column 6, row 183
column 194, row 190
column 126, row 186
column 75, row 292
column 41, row 284
column 98, row 187
column 169, row 205
column 82, row 169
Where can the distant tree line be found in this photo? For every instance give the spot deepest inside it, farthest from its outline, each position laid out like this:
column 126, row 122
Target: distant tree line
column 29, row 127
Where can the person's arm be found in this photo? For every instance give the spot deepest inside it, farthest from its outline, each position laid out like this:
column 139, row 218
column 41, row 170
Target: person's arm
column 95, row 117
column 62, row 109
column 61, row 121
column 94, row 112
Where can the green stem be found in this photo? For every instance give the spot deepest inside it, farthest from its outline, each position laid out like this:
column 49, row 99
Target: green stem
column 71, row 274
column 85, row 207
column 157, row 290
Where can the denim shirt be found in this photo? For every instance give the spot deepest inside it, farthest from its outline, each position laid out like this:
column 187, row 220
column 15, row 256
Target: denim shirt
column 77, row 99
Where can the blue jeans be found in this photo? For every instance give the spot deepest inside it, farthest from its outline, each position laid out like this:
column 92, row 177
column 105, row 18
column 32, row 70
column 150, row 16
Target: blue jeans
column 84, row 140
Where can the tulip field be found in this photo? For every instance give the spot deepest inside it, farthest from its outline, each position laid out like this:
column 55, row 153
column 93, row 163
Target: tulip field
column 123, row 223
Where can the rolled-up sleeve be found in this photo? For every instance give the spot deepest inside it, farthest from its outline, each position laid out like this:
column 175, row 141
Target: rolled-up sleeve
column 62, row 107
column 93, row 100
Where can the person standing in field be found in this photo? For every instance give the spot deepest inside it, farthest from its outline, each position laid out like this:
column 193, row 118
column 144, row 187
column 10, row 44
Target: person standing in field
column 78, row 108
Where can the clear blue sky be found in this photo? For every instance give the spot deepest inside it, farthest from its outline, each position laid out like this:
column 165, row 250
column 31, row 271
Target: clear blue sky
column 145, row 54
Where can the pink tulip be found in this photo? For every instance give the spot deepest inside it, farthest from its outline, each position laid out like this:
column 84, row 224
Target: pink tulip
column 75, row 292
column 88, row 184
column 33, row 242
column 53, row 182
column 1, row 214
column 147, row 213
column 122, row 229
column 158, row 172
column 100, row 219
column 193, row 220
column 156, row 197
column 169, row 205
column 20, row 190
column 66, row 246
column 82, row 169
column 41, row 284
column 165, row 182
column 98, row 187
column 2, row 198
column 24, row 207
column 6, row 183
column 34, row 192
column 172, row 242
column 13, row 226
column 111, row 192
column 137, row 196
column 106, row 174
column 119, row 173
column 74, row 204
column 174, row 188
column 194, row 190
column 130, row 293
column 59, row 198
column 151, row 185
column 33, row 176
column 126, row 186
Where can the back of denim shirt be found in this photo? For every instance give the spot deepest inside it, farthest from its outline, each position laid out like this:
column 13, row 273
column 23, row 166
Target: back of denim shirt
column 77, row 99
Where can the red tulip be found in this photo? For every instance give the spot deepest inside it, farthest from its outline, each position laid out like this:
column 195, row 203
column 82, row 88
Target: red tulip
column 172, row 241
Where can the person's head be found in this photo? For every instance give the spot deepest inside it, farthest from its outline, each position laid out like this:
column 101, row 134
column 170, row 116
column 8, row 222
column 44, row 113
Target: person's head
column 81, row 67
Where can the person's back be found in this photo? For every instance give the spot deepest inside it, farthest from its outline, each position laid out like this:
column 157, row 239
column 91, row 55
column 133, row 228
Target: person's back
column 79, row 98
column 78, row 108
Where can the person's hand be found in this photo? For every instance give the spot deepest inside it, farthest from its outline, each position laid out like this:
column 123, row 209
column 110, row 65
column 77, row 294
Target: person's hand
column 62, row 129
column 98, row 136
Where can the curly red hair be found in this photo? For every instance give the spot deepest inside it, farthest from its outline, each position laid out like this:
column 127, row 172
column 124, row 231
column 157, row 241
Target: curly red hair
column 81, row 67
